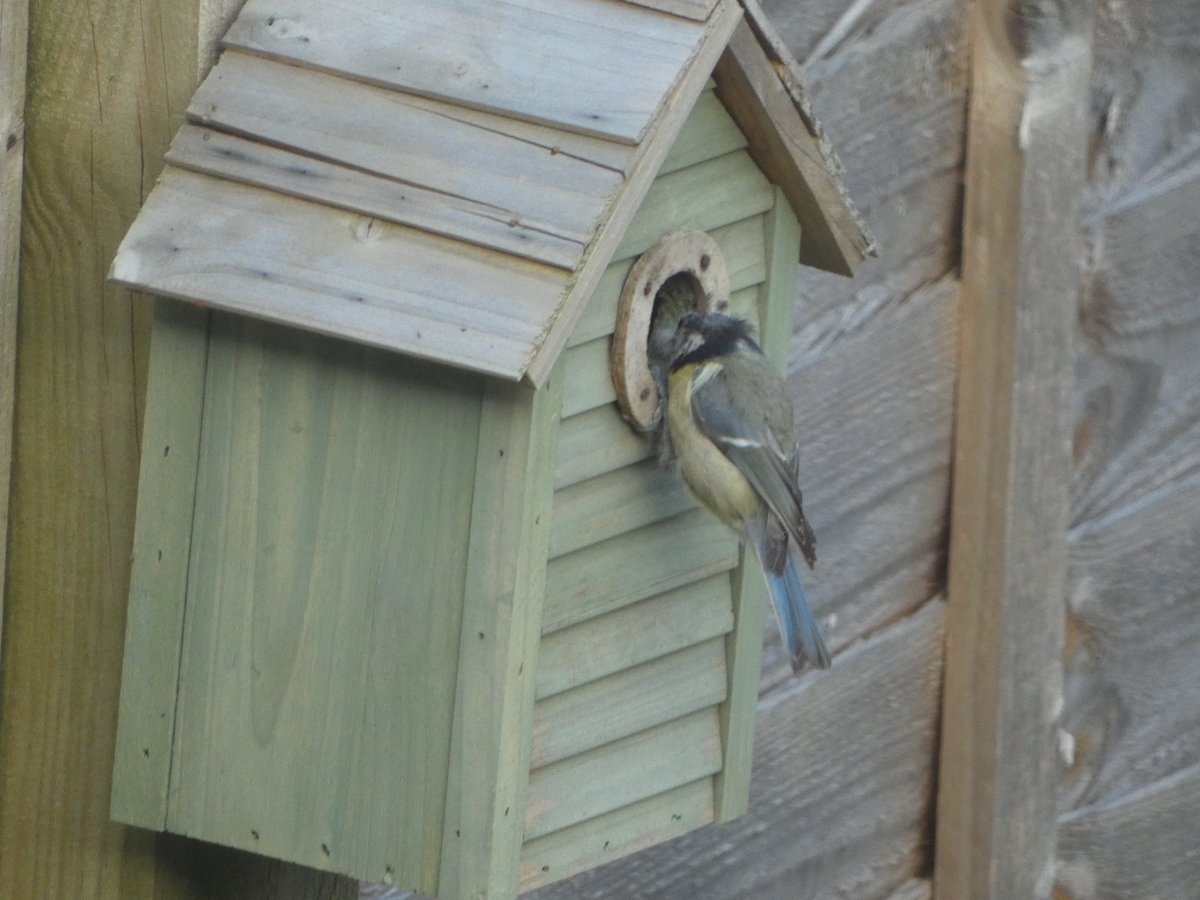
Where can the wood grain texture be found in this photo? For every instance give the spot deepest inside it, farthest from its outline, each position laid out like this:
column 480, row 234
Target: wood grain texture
column 841, row 794
column 255, row 252
column 1140, row 845
column 107, row 87
column 158, row 580
column 14, row 38
column 321, row 641
column 691, row 9
column 1130, row 723
column 457, row 172
column 547, row 48
column 1025, row 167
column 493, row 737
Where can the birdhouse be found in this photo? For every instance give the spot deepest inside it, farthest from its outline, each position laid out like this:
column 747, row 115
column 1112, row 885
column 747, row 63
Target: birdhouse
column 411, row 599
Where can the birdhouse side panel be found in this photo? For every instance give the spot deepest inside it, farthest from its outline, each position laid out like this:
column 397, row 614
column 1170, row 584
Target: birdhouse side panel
column 651, row 622
column 324, row 603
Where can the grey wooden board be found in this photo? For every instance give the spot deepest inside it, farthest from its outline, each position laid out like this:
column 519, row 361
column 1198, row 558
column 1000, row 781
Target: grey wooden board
column 456, row 172
column 875, row 442
column 252, row 251
column 692, row 9
column 322, row 629
column 634, row 634
column 1130, row 709
column 841, row 789
column 523, row 58
column 635, row 565
column 622, row 772
column 628, row 702
column 1141, row 846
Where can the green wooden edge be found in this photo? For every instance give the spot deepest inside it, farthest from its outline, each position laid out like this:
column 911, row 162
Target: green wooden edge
column 502, row 615
column 158, row 579
column 743, row 646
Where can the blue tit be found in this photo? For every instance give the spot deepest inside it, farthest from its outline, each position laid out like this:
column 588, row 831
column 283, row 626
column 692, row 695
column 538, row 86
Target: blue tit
column 730, row 419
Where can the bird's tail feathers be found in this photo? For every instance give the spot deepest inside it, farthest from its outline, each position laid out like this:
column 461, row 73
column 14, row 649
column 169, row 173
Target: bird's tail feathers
column 797, row 627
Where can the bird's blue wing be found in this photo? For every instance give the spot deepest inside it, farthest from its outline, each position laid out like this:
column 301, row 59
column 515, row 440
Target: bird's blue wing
column 753, row 448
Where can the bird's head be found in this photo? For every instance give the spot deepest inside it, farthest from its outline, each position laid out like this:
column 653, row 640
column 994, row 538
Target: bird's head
column 701, row 336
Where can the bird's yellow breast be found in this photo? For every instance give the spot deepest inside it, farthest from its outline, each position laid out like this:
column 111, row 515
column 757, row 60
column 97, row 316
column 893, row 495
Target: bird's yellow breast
column 715, row 481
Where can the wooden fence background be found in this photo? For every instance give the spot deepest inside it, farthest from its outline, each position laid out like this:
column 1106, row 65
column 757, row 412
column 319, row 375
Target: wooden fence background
column 1032, row 173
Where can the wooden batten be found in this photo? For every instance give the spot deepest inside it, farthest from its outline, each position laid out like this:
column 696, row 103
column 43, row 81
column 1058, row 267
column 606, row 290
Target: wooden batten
column 493, row 720
column 161, row 551
column 999, row 761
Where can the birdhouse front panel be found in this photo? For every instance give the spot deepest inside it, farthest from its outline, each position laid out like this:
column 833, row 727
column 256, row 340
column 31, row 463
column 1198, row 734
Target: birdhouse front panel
column 648, row 609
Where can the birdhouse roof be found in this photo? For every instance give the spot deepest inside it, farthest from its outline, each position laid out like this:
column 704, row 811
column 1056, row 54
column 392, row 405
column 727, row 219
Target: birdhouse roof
column 449, row 179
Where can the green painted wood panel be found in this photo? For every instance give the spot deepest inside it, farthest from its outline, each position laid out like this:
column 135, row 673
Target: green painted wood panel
column 635, row 634
column 705, row 196
column 158, row 577
column 623, row 772
column 602, row 839
column 708, row 132
column 634, row 566
column 324, row 602
column 493, row 719
column 611, row 504
column 595, row 442
column 628, row 702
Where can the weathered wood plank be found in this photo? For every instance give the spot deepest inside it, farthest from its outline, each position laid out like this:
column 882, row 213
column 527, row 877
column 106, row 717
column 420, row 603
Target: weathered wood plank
column 621, row 773
column 691, row 9
column 494, row 715
column 764, row 96
column 633, row 635
column 322, row 635
column 639, row 179
column 162, row 541
column 628, row 702
column 548, row 48
column 588, row 383
column 841, row 797
column 1132, row 711
column 1007, row 571
column 876, row 449
column 1142, row 844
column 255, row 252
column 605, row 838
column 635, row 565
column 14, row 40
column 267, row 166
column 481, row 166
